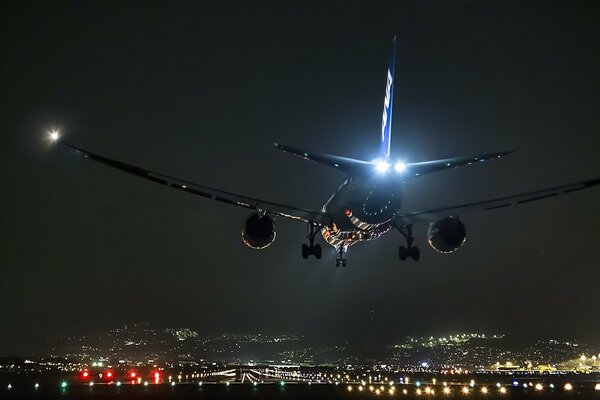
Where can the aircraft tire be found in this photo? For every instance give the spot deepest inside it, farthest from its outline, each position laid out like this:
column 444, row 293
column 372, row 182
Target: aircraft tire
column 304, row 251
column 318, row 251
column 402, row 253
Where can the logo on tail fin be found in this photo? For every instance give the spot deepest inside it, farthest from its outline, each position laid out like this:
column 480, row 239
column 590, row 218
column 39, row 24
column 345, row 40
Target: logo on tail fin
column 386, row 105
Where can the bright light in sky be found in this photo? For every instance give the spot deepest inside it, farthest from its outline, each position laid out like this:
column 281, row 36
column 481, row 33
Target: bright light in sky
column 54, row 136
column 400, row 166
column 381, row 165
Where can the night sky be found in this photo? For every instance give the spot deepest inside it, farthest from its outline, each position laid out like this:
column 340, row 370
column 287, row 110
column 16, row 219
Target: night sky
column 201, row 90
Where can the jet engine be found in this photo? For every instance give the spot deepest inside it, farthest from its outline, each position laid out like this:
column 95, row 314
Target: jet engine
column 447, row 234
column 258, row 231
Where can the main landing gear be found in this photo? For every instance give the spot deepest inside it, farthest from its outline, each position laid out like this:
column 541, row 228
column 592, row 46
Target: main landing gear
column 312, row 249
column 341, row 261
column 409, row 251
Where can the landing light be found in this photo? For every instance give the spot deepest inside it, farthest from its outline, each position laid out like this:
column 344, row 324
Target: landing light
column 54, row 136
column 381, row 166
column 400, row 166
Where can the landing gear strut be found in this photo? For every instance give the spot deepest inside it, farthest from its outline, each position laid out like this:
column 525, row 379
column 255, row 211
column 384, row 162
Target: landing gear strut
column 341, row 261
column 409, row 251
column 312, row 249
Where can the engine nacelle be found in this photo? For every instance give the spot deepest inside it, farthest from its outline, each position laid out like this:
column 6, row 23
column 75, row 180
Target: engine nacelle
column 447, row 234
column 258, row 231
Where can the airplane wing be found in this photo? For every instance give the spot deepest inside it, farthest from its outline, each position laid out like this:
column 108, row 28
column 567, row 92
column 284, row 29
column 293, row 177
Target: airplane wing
column 435, row 214
column 299, row 214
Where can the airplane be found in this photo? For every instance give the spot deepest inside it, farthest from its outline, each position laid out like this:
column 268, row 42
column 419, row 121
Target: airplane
column 365, row 206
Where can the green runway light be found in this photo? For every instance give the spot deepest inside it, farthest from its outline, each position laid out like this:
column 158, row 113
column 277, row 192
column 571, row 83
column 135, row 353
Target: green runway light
column 282, row 383
column 63, row 385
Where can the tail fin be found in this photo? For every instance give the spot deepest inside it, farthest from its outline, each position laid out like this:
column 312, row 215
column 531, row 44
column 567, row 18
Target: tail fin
column 386, row 123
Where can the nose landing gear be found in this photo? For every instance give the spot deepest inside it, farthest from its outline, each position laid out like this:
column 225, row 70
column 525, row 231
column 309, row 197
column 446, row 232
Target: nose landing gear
column 341, row 261
column 312, row 249
column 409, row 251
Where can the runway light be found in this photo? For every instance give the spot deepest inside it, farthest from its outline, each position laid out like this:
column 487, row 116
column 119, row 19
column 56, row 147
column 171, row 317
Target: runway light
column 404, row 391
column 132, row 375
column 465, row 390
column 400, row 167
column 173, row 383
column 282, row 383
column 349, row 388
column 92, row 383
column 484, row 390
column 63, row 384
column 539, row 386
column 9, row 386
column 254, row 383
column 360, row 388
column 446, row 390
column 36, row 386
column 145, row 383
column 118, row 384
column 381, row 165
column 597, row 387
column 503, row 390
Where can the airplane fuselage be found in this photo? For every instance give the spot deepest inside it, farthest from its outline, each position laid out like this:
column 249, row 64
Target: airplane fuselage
column 361, row 209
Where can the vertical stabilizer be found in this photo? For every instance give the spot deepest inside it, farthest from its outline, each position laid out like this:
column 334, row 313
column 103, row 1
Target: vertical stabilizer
column 386, row 123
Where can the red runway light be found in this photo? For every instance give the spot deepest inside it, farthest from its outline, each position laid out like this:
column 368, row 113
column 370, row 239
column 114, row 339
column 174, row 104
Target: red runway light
column 132, row 374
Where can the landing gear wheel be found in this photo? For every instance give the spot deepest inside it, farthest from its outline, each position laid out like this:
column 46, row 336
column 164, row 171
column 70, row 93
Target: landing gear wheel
column 415, row 253
column 409, row 251
column 305, row 251
column 402, row 253
column 311, row 249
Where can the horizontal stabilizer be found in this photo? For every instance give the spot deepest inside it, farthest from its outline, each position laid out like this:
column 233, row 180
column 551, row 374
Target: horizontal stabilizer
column 351, row 166
column 427, row 167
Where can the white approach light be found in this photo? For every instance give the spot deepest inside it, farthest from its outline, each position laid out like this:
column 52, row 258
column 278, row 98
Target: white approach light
column 400, row 167
column 381, row 165
column 54, row 136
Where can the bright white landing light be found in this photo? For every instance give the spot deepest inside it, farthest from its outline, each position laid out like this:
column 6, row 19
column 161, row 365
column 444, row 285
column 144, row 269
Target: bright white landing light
column 381, row 166
column 54, row 136
column 400, row 166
